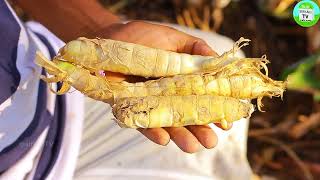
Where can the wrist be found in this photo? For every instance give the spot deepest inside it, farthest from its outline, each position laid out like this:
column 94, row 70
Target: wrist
column 105, row 30
column 95, row 18
column 120, row 30
column 69, row 19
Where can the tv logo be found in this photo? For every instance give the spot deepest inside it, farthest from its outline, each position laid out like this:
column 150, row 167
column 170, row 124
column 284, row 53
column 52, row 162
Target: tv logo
column 306, row 14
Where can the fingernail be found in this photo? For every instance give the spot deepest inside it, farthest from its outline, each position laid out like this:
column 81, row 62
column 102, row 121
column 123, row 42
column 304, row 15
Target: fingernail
column 166, row 143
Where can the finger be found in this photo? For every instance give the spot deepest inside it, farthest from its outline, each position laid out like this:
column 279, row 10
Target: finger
column 196, row 46
column 200, row 47
column 118, row 77
column 205, row 135
column 184, row 139
column 156, row 135
column 113, row 76
column 226, row 129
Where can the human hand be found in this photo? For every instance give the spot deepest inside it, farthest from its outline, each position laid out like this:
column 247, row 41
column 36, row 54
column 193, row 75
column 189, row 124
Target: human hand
column 188, row 138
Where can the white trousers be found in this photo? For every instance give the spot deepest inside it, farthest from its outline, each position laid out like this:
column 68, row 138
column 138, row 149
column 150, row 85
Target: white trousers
column 109, row 152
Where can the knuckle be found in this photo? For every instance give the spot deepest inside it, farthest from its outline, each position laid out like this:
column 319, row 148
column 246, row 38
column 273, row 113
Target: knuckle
column 200, row 41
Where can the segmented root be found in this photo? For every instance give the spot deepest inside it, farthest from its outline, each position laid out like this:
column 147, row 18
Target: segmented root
column 260, row 104
column 238, row 66
column 50, row 66
column 242, row 42
column 244, row 85
column 64, row 89
column 189, row 89
column 52, row 79
column 96, row 87
column 128, row 58
column 57, row 74
column 226, row 58
column 264, row 63
column 166, row 111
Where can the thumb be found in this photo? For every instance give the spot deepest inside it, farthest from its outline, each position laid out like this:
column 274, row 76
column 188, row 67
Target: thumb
column 196, row 46
column 200, row 47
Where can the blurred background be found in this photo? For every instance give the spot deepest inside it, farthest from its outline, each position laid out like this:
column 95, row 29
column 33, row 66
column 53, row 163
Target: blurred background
column 284, row 141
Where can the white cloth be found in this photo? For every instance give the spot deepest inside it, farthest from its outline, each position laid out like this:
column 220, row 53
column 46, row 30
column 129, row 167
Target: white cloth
column 26, row 166
column 66, row 162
